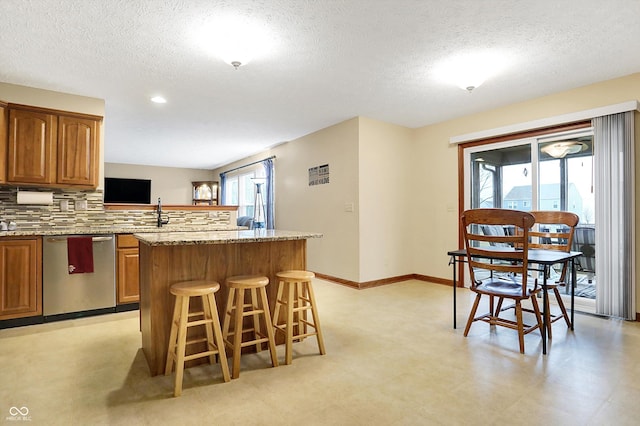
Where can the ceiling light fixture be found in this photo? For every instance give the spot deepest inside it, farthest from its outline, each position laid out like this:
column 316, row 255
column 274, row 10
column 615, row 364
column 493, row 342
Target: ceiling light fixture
column 561, row 149
column 469, row 71
column 158, row 100
column 237, row 40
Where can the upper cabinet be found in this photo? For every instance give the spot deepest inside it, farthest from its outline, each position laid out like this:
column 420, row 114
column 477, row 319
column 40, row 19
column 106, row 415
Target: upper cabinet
column 4, row 134
column 52, row 148
column 77, row 151
column 31, row 147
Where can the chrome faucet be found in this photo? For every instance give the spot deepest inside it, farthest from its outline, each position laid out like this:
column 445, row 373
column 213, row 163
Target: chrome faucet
column 159, row 210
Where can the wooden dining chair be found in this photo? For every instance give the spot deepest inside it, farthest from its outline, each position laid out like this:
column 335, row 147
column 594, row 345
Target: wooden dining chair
column 505, row 278
column 564, row 224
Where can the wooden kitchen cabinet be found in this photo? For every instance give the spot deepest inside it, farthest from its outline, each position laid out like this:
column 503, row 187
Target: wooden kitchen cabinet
column 20, row 277
column 4, row 134
column 32, row 137
column 52, row 148
column 77, row 155
column 128, row 281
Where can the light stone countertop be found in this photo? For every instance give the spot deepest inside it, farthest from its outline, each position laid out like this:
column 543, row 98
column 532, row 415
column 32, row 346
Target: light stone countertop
column 222, row 237
column 103, row 230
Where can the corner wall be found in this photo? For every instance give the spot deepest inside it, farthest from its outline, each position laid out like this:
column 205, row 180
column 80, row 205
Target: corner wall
column 386, row 199
column 319, row 208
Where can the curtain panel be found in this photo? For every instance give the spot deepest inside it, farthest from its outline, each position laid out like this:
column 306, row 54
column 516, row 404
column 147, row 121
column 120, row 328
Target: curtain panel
column 615, row 213
column 270, row 189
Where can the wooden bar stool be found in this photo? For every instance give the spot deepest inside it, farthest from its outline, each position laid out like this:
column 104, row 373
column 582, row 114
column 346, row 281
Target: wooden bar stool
column 183, row 319
column 257, row 307
column 295, row 296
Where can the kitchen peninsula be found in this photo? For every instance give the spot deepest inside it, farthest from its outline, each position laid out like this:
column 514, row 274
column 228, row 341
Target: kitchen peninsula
column 167, row 258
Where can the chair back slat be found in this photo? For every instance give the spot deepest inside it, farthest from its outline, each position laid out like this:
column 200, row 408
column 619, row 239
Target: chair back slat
column 553, row 230
column 513, row 249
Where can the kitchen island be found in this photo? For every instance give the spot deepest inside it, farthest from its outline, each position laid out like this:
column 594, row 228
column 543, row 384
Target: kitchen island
column 168, row 258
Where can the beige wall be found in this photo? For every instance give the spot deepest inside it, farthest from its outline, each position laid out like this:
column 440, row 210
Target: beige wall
column 321, row 208
column 394, row 231
column 62, row 101
column 172, row 184
column 385, row 198
column 435, row 163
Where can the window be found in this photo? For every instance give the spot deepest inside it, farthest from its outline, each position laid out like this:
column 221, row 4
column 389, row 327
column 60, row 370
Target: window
column 240, row 189
column 530, row 174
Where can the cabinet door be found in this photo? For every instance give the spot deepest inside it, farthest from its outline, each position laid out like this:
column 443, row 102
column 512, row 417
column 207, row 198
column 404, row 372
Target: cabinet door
column 31, row 147
column 3, row 143
column 21, row 278
column 77, row 151
column 128, row 276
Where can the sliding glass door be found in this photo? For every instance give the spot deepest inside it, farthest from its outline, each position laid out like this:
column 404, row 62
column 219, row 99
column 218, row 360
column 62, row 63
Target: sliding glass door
column 550, row 173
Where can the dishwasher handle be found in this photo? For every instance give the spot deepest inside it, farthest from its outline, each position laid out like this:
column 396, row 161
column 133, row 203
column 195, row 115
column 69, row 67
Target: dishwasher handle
column 64, row 240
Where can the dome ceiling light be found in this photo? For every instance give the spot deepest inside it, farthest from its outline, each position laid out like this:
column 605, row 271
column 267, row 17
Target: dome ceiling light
column 469, row 71
column 237, row 40
column 562, row 149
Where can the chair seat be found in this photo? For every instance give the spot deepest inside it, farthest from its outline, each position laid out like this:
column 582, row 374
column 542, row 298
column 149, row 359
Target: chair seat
column 503, row 289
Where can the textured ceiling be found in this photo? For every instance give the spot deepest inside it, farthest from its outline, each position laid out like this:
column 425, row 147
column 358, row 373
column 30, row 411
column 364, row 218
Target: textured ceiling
column 328, row 61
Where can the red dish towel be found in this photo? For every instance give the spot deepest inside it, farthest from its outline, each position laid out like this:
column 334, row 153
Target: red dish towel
column 80, row 254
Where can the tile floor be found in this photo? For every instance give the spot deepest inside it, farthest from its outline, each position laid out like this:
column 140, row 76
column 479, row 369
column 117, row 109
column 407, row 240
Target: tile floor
column 392, row 359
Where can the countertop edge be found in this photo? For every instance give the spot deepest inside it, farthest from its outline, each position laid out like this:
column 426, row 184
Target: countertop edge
column 222, row 237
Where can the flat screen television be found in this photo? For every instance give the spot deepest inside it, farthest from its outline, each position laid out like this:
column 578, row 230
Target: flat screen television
column 127, row 191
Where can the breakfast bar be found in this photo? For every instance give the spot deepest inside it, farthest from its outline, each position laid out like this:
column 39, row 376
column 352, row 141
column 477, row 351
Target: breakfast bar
column 168, row 258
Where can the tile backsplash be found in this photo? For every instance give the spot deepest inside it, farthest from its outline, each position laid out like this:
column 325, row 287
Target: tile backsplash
column 28, row 217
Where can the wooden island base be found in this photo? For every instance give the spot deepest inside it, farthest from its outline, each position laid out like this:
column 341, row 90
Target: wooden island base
column 163, row 264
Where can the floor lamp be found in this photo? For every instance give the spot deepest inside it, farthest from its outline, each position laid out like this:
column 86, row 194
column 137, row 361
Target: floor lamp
column 258, row 207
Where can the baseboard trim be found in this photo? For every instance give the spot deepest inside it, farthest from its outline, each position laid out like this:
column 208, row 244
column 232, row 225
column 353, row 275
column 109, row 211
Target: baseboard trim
column 385, row 281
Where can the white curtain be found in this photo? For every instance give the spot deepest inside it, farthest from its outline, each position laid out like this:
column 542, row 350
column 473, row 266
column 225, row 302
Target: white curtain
column 615, row 213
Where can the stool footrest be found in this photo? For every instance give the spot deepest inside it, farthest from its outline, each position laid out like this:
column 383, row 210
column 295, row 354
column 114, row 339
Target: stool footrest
column 200, row 355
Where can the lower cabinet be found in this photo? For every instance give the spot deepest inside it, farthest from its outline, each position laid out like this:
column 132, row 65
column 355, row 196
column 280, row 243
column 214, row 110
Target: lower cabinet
column 128, row 281
column 20, row 277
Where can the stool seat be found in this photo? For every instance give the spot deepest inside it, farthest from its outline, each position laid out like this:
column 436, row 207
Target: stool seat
column 296, row 275
column 183, row 319
column 194, row 288
column 247, row 281
column 295, row 297
column 257, row 308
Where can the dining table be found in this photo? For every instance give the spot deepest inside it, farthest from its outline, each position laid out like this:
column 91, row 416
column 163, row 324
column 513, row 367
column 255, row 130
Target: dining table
column 545, row 259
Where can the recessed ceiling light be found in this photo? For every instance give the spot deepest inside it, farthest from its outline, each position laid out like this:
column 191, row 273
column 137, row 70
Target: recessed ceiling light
column 158, row 100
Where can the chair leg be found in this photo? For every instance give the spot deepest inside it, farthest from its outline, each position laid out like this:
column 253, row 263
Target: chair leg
column 182, row 341
column 472, row 314
column 520, row 325
column 173, row 336
column 536, row 311
column 316, row 319
column 289, row 326
column 267, row 325
column 499, row 307
column 547, row 317
column 219, row 341
column 237, row 336
column 562, row 307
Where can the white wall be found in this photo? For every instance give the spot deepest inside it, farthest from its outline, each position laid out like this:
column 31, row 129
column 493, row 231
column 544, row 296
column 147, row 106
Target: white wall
column 385, row 199
column 172, row 184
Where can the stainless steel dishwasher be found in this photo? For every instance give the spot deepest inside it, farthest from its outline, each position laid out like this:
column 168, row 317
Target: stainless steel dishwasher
column 67, row 295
